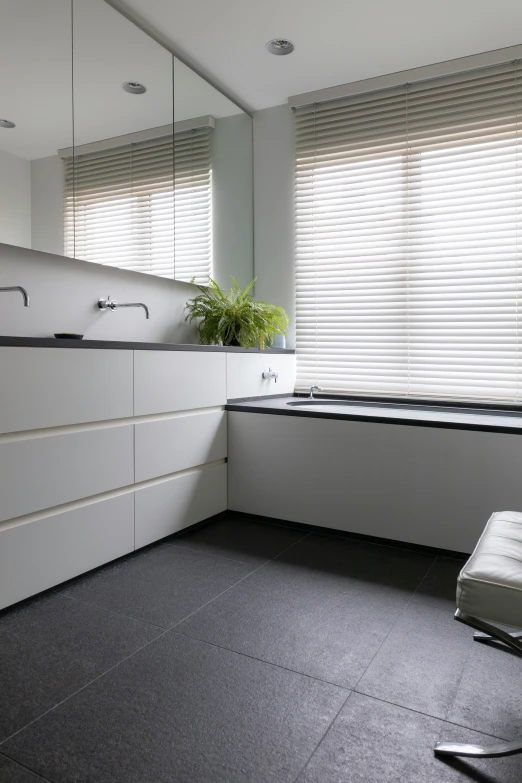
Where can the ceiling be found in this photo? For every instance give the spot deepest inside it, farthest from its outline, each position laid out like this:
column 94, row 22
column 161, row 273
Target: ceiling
column 37, row 76
column 337, row 41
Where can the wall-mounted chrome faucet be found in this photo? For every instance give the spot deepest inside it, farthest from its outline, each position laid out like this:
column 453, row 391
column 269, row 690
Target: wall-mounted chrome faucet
column 267, row 376
column 21, row 290
column 108, row 304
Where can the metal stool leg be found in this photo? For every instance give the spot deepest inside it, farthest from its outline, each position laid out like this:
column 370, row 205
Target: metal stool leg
column 478, row 751
column 485, row 632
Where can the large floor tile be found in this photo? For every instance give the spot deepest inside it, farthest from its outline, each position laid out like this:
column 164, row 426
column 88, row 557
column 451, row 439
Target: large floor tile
column 421, row 662
column 323, row 608
column 11, row 772
column 51, row 647
column 489, row 696
column 375, row 742
column 182, row 711
column 239, row 539
column 161, row 585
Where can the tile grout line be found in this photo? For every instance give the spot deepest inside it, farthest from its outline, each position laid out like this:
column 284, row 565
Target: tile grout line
column 457, row 686
column 63, row 593
column 102, row 674
column 431, row 717
column 151, row 641
column 238, row 582
column 312, row 754
column 394, row 624
column 259, row 660
column 111, row 611
column 210, row 554
column 36, row 774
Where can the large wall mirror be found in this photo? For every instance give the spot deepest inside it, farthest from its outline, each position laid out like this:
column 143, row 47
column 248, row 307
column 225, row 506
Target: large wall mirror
column 115, row 152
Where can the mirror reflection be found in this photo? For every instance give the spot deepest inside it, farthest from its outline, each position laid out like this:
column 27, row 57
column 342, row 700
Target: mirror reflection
column 119, row 207
column 118, row 153
column 214, row 187
column 36, row 105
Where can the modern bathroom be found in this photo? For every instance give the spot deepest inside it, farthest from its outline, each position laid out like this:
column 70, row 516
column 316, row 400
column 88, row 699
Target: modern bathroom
column 260, row 391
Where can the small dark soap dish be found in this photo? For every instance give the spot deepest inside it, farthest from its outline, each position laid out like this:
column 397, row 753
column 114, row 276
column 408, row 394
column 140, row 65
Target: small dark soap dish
column 68, row 336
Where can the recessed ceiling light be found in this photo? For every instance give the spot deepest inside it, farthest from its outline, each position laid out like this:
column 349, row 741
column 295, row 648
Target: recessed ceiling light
column 279, row 46
column 7, row 124
column 135, row 88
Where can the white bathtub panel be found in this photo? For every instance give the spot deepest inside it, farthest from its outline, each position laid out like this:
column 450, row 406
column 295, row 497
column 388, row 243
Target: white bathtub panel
column 423, row 485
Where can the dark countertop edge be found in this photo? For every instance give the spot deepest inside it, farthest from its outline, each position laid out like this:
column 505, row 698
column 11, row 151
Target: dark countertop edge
column 235, row 400
column 450, row 425
column 52, row 342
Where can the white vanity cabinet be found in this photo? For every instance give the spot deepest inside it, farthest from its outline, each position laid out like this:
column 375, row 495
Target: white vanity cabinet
column 51, row 387
column 42, row 472
column 170, row 505
column 103, row 451
column 36, row 555
column 169, row 445
column 178, row 380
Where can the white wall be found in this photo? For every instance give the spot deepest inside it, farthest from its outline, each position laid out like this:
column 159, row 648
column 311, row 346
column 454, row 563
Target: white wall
column 47, row 204
column 274, row 210
column 64, row 295
column 15, row 200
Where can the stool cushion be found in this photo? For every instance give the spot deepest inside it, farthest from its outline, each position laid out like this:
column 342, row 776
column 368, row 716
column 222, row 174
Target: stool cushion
column 490, row 584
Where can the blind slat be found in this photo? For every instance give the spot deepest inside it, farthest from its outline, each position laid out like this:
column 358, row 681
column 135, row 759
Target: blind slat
column 408, row 218
column 145, row 206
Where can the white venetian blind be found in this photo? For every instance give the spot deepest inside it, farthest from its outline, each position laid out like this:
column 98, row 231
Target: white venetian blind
column 144, row 206
column 408, row 238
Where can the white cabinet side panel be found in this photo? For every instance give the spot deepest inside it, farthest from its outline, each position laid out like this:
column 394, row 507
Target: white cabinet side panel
column 51, row 387
column 39, row 473
column 423, row 485
column 171, row 445
column 41, row 554
column 178, row 380
column 245, row 374
column 171, row 505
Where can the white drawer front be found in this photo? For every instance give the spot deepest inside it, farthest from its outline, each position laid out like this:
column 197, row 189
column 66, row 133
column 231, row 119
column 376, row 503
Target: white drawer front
column 50, row 387
column 245, row 374
column 178, row 380
column 169, row 445
column 41, row 554
column 39, row 473
column 170, row 506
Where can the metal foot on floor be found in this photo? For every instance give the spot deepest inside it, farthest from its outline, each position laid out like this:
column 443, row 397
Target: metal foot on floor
column 487, row 632
column 484, row 632
column 478, row 751
column 479, row 636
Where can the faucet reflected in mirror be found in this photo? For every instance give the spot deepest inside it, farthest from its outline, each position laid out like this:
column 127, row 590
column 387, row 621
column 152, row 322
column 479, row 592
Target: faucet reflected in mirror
column 108, row 304
column 20, row 289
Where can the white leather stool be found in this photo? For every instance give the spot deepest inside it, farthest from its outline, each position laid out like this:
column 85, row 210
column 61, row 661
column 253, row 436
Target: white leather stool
column 489, row 590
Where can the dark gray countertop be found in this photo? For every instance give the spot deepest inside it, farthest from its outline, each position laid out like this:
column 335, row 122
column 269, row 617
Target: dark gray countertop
column 52, row 342
column 393, row 413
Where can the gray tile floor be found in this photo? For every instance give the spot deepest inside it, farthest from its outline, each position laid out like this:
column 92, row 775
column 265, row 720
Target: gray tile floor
column 244, row 652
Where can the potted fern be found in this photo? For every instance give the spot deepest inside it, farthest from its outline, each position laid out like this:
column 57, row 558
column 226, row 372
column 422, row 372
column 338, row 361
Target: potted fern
column 234, row 318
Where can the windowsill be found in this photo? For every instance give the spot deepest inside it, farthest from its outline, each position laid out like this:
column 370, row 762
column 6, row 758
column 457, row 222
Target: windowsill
column 409, row 413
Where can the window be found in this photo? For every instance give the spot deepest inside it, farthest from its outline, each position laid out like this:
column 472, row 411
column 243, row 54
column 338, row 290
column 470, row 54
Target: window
column 408, row 239
column 124, row 207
